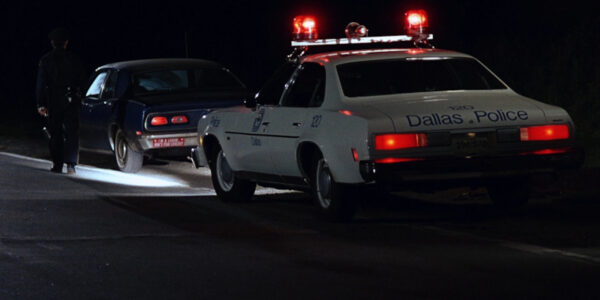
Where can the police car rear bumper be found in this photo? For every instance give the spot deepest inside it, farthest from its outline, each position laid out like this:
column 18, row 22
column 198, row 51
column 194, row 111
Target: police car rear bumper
column 471, row 168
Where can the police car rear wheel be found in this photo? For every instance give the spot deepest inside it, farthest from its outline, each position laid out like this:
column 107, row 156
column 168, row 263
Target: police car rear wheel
column 228, row 187
column 335, row 200
column 509, row 193
column 128, row 160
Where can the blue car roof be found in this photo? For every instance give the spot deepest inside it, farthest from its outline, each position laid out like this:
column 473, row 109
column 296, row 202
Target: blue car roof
column 160, row 63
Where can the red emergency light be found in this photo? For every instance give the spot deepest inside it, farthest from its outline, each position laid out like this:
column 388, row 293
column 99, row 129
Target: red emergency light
column 416, row 21
column 305, row 28
column 355, row 30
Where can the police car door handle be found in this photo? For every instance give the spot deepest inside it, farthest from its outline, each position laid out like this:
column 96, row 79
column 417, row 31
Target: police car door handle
column 266, row 123
column 297, row 124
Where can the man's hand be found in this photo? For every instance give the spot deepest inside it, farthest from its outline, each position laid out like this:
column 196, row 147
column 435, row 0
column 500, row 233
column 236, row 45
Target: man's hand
column 43, row 111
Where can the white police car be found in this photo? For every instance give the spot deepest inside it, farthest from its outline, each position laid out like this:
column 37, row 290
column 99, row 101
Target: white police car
column 414, row 118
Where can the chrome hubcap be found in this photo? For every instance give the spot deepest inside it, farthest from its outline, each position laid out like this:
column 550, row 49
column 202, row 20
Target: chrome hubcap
column 224, row 173
column 121, row 151
column 323, row 184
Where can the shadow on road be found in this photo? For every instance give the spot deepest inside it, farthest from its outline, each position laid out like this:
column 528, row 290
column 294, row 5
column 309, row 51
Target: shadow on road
column 549, row 223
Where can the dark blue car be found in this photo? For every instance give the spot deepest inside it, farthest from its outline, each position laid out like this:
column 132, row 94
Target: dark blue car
column 152, row 107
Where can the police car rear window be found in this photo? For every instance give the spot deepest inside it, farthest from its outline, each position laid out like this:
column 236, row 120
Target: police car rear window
column 414, row 75
column 184, row 80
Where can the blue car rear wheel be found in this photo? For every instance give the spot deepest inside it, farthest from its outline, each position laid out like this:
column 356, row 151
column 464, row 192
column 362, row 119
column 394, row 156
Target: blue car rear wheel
column 128, row 160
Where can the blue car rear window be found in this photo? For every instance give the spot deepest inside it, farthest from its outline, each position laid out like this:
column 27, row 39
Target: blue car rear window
column 184, row 80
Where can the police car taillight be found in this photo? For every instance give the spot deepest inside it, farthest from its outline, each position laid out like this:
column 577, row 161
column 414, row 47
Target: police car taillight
column 400, row 141
column 545, row 133
column 305, row 28
column 159, row 121
column 179, row 120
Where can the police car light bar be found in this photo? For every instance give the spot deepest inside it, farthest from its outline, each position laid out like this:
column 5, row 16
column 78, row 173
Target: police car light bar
column 352, row 41
column 305, row 32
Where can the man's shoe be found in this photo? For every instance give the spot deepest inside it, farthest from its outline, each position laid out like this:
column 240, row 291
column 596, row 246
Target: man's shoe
column 70, row 168
column 56, row 169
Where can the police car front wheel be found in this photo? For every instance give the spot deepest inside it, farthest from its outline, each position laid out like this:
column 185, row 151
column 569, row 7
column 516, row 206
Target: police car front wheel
column 228, row 187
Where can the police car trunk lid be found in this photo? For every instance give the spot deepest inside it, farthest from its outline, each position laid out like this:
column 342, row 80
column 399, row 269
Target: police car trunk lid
column 458, row 110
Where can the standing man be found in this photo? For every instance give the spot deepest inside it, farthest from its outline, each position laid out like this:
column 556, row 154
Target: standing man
column 61, row 77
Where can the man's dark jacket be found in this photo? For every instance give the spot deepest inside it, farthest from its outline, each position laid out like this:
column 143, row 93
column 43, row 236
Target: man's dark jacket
column 59, row 69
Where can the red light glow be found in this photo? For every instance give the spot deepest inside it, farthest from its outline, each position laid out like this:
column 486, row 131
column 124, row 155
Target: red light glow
column 547, row 151
column 345, row 112
column 355, row 154
column 545, row 133
column 416, row 19
column 159, row 121
column 305, row 27
column 400, row 141
column 416, row 51
column 393, row 160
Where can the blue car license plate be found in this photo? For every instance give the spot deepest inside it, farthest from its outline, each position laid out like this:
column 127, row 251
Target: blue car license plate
column 168, row 142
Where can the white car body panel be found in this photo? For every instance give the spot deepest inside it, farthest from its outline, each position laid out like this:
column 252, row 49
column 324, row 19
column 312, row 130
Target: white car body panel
column 266, row 139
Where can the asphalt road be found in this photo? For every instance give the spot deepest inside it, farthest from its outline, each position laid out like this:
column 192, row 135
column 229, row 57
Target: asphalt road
column 162, row 234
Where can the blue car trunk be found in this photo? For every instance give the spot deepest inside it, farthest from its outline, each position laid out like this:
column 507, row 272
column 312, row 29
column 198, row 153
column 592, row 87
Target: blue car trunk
column 181, row 113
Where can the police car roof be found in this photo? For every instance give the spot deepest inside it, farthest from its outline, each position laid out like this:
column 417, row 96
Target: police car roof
column 340, row 57
column 160, row 63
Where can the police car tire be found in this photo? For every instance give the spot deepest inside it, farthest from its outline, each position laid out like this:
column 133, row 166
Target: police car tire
column 232, row 189
column 128, row 160
column 509, row 193
column 335, row 201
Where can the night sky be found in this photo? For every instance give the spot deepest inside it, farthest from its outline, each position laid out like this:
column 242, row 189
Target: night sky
column 515, row 39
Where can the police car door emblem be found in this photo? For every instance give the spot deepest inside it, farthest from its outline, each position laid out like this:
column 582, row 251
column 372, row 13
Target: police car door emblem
column 316, row 121
column 258, row 120
column 215, row 121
